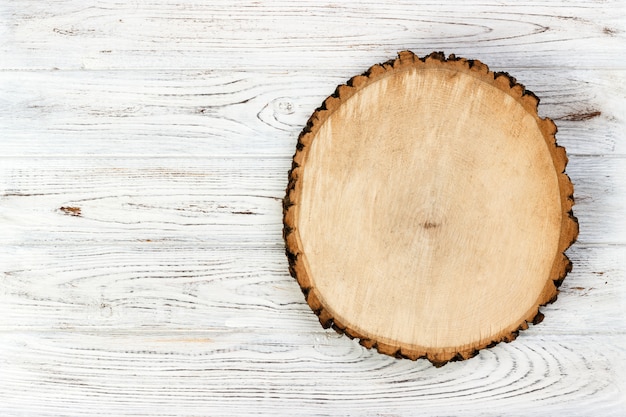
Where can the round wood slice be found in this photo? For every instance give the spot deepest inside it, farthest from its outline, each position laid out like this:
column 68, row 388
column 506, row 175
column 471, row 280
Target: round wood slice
column 428, row 210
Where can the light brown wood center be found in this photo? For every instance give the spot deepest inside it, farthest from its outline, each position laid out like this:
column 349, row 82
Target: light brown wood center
column 428, row 214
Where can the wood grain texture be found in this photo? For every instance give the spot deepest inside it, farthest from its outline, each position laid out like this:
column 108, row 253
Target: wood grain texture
column 281, row 35
column 171, row 124
column 229, row 374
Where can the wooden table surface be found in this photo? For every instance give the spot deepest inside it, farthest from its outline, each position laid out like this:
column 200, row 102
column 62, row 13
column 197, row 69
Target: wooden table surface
column 145, row 149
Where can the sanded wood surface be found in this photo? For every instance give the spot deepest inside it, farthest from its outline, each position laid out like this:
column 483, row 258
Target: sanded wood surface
column 428, row 211
column 144, row 158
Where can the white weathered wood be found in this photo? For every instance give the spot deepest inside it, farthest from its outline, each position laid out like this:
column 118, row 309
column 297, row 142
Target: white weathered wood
column 288, row 35
column 171, row 125
column 300, row 374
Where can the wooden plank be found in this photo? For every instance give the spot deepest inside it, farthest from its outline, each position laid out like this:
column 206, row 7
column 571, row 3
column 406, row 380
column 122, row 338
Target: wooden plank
column 247, row 34
column 219, row 201
column 213, row 113
column 149, row 286
column 223, row 201
column 300, row 374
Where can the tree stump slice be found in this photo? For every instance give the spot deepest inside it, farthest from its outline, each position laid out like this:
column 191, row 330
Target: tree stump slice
column 428, row 209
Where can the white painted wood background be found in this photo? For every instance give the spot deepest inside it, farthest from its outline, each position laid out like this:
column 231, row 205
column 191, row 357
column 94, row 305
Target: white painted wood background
column 170, row 124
